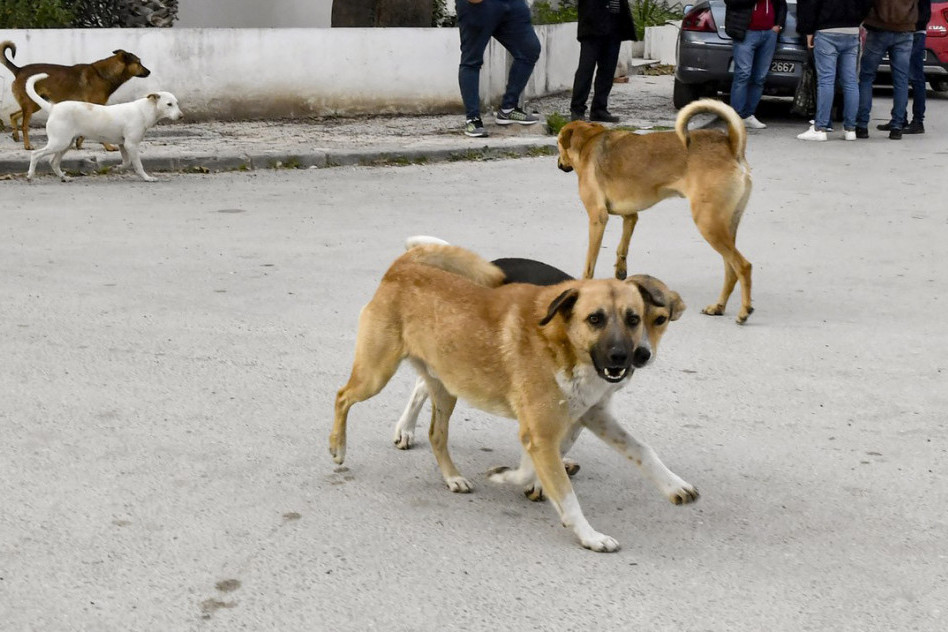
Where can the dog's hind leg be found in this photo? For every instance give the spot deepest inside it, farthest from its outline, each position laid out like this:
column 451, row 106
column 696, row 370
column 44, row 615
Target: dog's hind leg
column 15, row 119
column 442, row 405
column 54, row 149
column 622, row 252
column 377, row 356
column 405, row 428
column 721, row 234
column 604, row 425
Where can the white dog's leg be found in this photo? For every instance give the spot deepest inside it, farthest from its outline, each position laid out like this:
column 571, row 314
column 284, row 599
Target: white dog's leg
column 136, row 159
column 52, row 148
column 55, row 163
column 126, row 161
column 405, row 428
column 604, row 425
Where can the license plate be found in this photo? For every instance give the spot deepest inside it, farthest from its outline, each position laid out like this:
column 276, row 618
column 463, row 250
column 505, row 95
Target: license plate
column 783, row 66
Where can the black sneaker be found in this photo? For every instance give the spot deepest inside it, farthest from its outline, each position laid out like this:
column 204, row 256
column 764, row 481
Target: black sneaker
column 862, row 132
column 915, row 127
column 603, row 117
column 475, row 128
column 884, row 127
column 516, row 115
column 895, row 133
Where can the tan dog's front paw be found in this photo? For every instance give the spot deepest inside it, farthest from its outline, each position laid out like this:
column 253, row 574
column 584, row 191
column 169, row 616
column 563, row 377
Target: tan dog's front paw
column 534, row 492
column 621, row 270
column 743, row 314
column 459, row 485
column 600, row 542
column 713, row 310
column 337, row 448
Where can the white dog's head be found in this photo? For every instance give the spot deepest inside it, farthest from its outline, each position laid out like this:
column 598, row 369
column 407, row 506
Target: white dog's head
column 167, row 105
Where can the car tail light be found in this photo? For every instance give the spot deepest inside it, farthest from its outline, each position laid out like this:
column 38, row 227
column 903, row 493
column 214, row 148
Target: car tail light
column 699, row 20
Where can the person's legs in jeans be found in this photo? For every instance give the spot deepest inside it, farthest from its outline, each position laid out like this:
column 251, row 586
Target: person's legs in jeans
column 900, row 51
column 763, row 55
column 824, row 57
column 582, row 82
column 876, row 43
column 846, row 64
column 743, row 54
column 476, row 23
column 917, row 77
column 515, row 33
column 605, row 74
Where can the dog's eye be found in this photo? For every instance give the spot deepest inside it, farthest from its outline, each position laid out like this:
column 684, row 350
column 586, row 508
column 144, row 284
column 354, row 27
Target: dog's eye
column 596, row 319
column 661, row 320
column 632, row 319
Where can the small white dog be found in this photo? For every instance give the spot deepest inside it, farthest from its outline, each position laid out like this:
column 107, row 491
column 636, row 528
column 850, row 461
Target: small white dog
column 124, row 124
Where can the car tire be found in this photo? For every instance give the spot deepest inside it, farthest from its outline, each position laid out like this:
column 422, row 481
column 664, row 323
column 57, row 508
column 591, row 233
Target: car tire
column 685, row 93
column 939, row 85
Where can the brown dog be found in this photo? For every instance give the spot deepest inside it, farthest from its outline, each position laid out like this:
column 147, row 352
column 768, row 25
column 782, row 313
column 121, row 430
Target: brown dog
column 93, row 83
column 621, row 173
column 549, row 356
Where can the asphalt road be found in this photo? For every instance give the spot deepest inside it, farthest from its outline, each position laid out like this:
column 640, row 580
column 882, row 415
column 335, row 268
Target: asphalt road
column 171, row 352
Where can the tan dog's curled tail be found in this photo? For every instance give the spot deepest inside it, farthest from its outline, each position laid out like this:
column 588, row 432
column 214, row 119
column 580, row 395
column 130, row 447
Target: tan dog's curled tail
column 7, row 44
column 455, row 260
column 31, row 90
column 736, row 132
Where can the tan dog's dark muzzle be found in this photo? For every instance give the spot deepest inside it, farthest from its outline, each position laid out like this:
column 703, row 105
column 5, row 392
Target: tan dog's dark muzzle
column 562, row 167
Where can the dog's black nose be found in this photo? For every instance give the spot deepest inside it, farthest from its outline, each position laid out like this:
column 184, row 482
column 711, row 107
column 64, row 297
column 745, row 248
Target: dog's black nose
column 564, row 167
column 640, row 357
column 617, row 356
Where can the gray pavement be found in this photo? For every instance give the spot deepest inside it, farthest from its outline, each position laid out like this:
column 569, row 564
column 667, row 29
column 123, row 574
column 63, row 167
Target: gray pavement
column 171, row 350
column 180, row 146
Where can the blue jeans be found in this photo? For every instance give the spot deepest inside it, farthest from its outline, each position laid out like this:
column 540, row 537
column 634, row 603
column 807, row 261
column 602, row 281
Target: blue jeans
column 899, row 47
column 508, row 21
column 916, row 81
column 752, row 59
column 836, row 53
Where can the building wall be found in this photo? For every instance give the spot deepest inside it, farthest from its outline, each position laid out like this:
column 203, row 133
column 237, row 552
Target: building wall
column 228, row 73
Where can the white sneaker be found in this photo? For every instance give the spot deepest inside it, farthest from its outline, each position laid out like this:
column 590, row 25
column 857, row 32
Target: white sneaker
column 751, row 122
column 813, row 134
column 849, row 134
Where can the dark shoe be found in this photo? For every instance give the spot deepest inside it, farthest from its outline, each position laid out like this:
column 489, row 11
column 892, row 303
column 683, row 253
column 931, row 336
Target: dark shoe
column 603, row 117
column 475, row 128
column 862, row 132
column 915, row 127
column 515, row 115
column 895, row 134
column 884, row 127
column 576, row 116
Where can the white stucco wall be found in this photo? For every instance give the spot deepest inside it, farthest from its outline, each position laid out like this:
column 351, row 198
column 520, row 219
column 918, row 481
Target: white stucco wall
column 251, row 73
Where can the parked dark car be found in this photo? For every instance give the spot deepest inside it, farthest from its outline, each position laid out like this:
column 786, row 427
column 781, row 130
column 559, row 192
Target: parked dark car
column 706, row 66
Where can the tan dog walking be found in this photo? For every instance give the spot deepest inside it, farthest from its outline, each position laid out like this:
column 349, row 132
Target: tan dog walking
column 621, row 173
column 550, row 357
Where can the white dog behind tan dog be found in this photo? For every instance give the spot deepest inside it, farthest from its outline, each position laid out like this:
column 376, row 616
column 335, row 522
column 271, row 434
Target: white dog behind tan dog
column 124, row 124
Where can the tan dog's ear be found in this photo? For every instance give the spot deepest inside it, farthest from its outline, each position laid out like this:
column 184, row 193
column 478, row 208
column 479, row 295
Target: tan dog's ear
column 566, row 134
column 657, row 293
column 561, row 304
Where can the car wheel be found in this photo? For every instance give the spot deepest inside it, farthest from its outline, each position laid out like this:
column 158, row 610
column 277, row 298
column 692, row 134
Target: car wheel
column 685, row 93
column 939, row 85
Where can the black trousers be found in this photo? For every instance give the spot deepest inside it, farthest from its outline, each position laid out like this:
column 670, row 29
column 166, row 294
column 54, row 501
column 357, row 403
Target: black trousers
column 599, row 55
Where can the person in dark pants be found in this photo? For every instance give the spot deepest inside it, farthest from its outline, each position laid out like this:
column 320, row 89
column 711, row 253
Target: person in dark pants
column 916, row 77
column 603, row 26
column 507, row 21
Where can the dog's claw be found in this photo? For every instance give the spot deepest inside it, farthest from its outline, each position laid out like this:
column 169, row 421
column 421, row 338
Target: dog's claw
column 459, row 485
column 684, row 496
column 403, row 440
column 572, row 467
